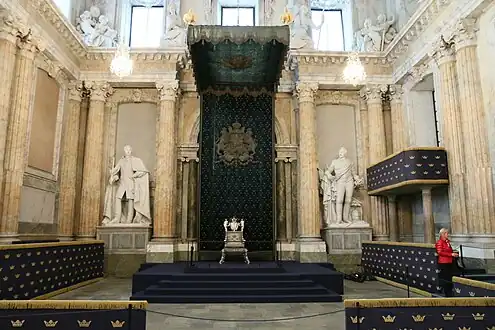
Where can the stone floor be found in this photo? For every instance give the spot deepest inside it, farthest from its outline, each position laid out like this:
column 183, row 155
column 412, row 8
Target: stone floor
column 238, row 316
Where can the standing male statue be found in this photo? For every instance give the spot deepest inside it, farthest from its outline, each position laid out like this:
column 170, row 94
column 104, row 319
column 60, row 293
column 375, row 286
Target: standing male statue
column 341, row 171
column 128, row 184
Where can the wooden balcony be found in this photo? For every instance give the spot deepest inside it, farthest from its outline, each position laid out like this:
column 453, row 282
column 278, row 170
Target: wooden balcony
column 408, row 171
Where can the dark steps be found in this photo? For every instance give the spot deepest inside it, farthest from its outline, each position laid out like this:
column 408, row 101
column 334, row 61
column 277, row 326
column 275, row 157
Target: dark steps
column 205, row 299
column 236, row 284
column 267, row 291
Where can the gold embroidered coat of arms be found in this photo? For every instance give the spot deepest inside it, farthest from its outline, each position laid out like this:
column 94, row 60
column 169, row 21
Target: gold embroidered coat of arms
column 236, row 145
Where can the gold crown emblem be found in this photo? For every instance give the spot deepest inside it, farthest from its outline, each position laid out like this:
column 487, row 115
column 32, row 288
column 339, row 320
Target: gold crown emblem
column 388, row 319
column 436, row 328
column 355, row 320
column 464, row 328
column 17, row 324
column 117, row 324
column 448, row 317
column 457, row 290
column 478, row 317
column 491, row 328
column 84, row 323
column 418, row 318
column 50, row 324
column 286, row 18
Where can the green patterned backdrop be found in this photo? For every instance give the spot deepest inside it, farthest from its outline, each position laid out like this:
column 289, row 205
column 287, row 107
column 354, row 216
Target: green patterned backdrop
column 236, row 168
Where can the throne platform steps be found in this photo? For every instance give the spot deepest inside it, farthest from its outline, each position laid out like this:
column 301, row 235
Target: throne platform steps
column 261, row 282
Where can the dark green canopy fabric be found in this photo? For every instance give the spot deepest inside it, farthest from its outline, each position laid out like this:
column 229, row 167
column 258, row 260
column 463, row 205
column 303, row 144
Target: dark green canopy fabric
column 237, row 56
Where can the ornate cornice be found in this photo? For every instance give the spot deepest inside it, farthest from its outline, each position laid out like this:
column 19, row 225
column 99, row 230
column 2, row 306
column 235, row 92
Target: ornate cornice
column 337, row 97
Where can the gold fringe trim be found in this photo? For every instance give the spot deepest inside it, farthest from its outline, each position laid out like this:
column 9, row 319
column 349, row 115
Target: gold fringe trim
column 404, row 150
column 419, row 302
column 46, row 245
column 424, row 245
column 403, row 286
column 67, row 289
column 474, row 283
column 72, row 304
column 408, row 183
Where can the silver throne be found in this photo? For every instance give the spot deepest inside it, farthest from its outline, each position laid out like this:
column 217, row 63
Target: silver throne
column 234, row 239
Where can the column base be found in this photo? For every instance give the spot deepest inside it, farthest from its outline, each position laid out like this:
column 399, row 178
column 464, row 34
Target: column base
column 381, row 238
column 286, row 251
column 84, row 238
column 311, row 250
column 65, row 238
column 160, row 252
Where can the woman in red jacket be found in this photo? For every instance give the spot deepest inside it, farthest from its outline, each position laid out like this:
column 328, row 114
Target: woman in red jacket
column 446, row 258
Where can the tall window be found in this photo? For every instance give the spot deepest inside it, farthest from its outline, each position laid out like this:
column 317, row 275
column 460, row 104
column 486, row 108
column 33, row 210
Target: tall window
column 146, row 26
column 237, row 16
column 65, row 7
column 330, row 37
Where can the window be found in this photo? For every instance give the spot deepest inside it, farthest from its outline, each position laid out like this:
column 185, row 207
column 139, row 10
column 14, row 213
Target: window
column 237, row 16
column 330, row 37
column 65, row 7
column 146, row 26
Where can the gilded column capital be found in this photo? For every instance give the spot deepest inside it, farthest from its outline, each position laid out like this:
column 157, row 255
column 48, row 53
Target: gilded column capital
column 373, row 93
column 442, row 51
column 395, row 92
column 306, row 91
column 75, row 89
column 98, row 90
column 168, row 89
column 465, row 33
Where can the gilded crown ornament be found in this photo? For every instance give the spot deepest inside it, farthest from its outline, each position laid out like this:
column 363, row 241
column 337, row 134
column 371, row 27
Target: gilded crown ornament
column 356, row 320
column 478, row 317
column 84, row 324
column 189, row 18
column 419, row 318
column 117, row 324
column 448, row 317
column 50, row 324
column 286, row 18
column 17, row 323
column 388, row 319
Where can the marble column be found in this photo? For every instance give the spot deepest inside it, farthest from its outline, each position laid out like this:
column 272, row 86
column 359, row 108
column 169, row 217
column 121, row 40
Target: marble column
column 8, row 49
column 17, row 134
column 90, row 210
column 443, row 54
column 429, row 225
column 166, row 164
column 392, row 216
column 399, row 136
column 68, row 167
column 311, row 246
column 373, row 95
column 478, row 174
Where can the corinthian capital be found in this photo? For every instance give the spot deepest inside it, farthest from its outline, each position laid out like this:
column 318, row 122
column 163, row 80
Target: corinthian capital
column 306, row 91
column 373, row 93
column 29, row 43
column 395, row 92
column 442, row 51
column 8, row 26
column 98, row 90
column 75, row 89
column 168, row 89
column 465, row 33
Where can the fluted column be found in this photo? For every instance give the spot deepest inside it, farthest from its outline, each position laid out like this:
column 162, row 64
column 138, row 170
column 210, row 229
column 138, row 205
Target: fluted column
column 17, row 141
column 399, row 136
column 309, row 210
column 8, row 37
column 166, row 163
column 90, row 213
column 478, row 175
column 377, row 152
column 443, row 54
column 393, row 223
column 429, row 225
column 68, row 168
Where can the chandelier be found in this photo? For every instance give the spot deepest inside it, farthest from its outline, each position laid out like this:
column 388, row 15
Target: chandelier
column 122, row 63
column 354, row 72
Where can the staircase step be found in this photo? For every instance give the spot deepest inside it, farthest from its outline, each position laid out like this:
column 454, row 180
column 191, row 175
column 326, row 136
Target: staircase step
column 236, row 284
column 234, row 277
column 152, row 291
column 202, row 299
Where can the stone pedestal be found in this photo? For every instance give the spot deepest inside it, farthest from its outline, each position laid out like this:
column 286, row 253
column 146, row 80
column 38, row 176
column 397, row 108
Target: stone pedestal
column 125, row 248
column 344, row 244
column 311, row 250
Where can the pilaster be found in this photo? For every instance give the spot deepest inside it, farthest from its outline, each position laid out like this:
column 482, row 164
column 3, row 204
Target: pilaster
column 90, row 213
column 478, row 176
column 17, row 133
column 310, row 246
column 68, row 171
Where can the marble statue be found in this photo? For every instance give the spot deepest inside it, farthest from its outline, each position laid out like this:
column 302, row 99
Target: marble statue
column 374, row 38
column 176, row 31
column 95, row 28
column 302, row 26
column 337, row 183
column 128, row 185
